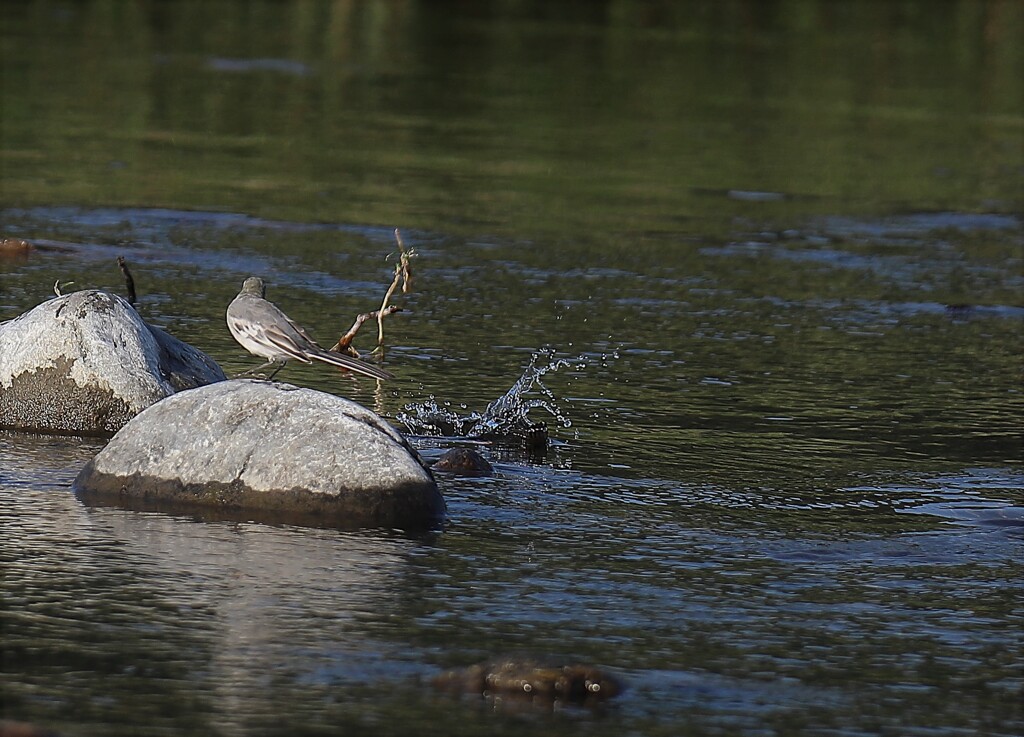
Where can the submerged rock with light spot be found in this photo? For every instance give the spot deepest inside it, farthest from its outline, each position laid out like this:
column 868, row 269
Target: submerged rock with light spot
column 532, row 679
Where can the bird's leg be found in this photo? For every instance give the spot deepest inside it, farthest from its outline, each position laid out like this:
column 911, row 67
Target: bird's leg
column 280, row 365
column 254, row 371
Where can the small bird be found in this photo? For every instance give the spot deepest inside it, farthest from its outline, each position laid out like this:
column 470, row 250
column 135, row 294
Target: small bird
column 263, row 330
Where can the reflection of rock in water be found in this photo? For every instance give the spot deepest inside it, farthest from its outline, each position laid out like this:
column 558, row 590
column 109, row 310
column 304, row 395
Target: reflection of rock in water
column 505, row 421
column 577, row 683
column 253, row 605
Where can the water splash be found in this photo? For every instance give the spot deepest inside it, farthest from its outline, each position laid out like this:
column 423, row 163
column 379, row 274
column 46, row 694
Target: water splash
column 513, row 408
column 435, row 420
column 507, row 418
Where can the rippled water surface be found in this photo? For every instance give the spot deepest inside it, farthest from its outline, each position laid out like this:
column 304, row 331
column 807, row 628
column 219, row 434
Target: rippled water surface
column 772, row 253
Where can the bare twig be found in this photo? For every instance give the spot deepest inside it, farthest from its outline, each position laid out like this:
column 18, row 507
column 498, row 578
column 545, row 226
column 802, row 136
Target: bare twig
column 129, row 282
column 403, row 276
column 59, row 285
column 404, row 262
column 384, row 307
column 345, row 341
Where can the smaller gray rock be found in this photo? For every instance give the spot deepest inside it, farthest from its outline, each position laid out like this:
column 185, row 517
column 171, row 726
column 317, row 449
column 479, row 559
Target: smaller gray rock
column 86, row 363
column 464, row 462
column 269, row 452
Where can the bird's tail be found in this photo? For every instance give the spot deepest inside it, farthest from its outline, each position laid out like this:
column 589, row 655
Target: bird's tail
column 349, row 364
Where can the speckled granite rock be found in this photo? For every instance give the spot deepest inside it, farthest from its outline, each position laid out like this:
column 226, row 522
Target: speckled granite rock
column 86, row 363
column 270, row 451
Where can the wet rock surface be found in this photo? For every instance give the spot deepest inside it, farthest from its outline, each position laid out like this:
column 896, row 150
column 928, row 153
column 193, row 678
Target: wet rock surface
column 533, row 679
column 86, row 363
column 265, row 451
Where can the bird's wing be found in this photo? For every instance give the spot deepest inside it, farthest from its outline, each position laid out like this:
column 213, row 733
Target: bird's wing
column 284, row 340
column 268, row 325
column 298, row 329
column 252, row 335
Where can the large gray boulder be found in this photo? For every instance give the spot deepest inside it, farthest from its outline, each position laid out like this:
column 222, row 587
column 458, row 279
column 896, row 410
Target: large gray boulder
column 86, row 363
column 269, row 452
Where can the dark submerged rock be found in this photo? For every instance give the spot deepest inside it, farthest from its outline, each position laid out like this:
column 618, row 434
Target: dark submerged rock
column 464, row 462
column 265, row 451
column 578, row 683
column 86, row 363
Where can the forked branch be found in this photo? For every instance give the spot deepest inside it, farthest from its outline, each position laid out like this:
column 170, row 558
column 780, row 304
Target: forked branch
column 403, row 276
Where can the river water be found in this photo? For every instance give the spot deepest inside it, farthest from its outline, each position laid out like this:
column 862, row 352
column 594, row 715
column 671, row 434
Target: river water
column 775, row 250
